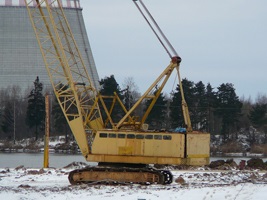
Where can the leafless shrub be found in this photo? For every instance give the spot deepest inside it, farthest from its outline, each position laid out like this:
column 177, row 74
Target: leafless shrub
column 231, row 147
column 261, row 148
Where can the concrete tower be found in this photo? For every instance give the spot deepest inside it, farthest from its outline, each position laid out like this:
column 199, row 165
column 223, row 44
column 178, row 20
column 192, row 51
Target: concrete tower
column 20, row 58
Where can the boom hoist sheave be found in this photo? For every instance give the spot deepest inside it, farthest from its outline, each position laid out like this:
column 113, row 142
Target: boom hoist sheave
column 125, row 147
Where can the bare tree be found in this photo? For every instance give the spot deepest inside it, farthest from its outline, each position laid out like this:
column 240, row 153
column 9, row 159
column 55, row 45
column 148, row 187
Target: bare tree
column 244, row 121
column 131, row 94
column 12, row 105
column 261, row 99
column 132, row 87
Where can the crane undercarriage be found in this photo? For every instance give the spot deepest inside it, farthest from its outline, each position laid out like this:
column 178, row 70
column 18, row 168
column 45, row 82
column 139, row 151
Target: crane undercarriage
column 120, row 175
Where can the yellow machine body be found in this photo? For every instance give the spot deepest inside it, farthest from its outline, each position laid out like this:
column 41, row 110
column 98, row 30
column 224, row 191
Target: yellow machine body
column 151, row 148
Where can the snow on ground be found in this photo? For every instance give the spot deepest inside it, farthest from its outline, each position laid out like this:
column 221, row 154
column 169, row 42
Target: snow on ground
column 30, row 184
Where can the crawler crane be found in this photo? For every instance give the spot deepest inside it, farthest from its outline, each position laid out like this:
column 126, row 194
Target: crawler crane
column 123, row 148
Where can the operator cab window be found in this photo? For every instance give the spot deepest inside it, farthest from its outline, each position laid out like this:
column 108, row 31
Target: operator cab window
column 140, row 136
column 112, row 135
column 130, row 136
column 167, row 137
column 121, row 135
column 149, row 137
column 103, row 135
column 158, row 137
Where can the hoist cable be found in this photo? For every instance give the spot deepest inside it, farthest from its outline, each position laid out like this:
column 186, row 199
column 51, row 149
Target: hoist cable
column 158, row 28
column 138, row 7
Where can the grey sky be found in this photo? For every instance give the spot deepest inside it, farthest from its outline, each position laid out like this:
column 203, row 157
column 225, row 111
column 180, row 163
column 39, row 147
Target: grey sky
column 219, row 41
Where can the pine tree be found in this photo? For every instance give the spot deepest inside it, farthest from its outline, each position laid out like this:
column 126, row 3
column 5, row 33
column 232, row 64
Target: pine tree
column 59, row 120
column 199, row 110
column 176, row 112
column 211, row 99
column 157, row 116
column 228, row 109
column 109, row 85
column 35, row 115
column 258, row 118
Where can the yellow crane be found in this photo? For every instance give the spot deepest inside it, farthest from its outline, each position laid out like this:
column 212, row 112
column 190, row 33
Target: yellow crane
column 123, row 148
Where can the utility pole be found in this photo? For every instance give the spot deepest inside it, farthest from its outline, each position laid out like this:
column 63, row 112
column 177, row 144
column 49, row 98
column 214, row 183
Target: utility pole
column 14, row 124
column 47, row 131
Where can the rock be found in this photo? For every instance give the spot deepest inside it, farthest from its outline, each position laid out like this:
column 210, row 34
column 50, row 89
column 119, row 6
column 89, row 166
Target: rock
column 231, row 163
column 256, row 163
column 224, row 167
column 33, row 172
column 41, row 171
column 216, row 163
column 180, row 180
column 206, row 174
column 242, row 164
column 24, row 186
column 19, row 167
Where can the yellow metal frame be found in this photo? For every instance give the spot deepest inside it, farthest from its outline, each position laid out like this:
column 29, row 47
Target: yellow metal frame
column 186, row 114
column 68, row 75
column 153, row 93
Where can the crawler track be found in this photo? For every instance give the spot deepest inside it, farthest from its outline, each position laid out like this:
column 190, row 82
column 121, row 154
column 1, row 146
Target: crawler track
column 122, row 175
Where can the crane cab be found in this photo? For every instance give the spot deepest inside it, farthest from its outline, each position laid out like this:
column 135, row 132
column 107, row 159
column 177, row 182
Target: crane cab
column 150, row 148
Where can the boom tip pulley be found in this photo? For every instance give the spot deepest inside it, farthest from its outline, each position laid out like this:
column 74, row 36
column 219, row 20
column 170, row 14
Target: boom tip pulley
column 176, row 59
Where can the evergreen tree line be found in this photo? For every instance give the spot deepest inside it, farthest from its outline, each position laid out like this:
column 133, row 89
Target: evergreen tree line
column 218, row 111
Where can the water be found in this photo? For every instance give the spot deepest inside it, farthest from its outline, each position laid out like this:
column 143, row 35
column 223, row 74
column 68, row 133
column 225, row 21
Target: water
column 35, row 160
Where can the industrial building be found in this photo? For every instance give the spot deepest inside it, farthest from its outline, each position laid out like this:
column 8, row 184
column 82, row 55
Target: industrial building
column 20, row 57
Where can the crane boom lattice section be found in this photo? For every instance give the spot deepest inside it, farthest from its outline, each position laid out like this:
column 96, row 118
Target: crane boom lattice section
column 68, row 74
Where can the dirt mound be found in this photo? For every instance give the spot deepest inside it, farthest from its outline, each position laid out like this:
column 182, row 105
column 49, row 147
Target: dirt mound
column 223, row 165
column 256, row 163
column 253, row 163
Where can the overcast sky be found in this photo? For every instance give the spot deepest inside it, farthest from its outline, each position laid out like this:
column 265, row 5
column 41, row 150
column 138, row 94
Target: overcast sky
column 219, row 41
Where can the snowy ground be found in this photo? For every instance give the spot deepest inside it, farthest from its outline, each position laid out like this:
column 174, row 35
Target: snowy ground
column 199, row 184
